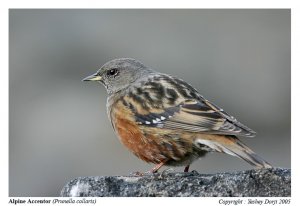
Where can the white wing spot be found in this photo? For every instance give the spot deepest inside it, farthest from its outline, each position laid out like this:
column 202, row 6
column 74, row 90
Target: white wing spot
column 160, row 125
column 154, row 121
column 147, row 122
column 162, row 118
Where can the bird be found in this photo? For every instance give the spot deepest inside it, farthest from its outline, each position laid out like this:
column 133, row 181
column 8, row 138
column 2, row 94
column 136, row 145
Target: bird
column 165, row 121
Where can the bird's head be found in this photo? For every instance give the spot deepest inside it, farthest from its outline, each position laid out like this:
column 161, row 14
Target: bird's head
column 118, row 74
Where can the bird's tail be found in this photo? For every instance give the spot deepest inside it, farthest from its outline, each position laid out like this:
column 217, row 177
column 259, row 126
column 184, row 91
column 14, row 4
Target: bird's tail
column 233, row 146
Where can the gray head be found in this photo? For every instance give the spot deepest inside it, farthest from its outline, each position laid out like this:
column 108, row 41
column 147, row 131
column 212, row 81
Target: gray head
column 118, row 74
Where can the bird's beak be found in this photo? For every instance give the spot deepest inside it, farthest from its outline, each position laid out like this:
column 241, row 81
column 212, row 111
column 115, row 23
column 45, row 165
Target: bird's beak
column 93, row 77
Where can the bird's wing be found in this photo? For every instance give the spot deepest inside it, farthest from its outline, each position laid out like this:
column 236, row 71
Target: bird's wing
column 181, row 107
column 195, row 116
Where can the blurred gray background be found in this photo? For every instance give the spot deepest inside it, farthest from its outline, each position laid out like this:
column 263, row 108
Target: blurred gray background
column 238, row 59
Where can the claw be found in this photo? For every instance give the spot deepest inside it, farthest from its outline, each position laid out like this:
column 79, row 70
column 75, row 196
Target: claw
column 137, row 174
column 152, row 171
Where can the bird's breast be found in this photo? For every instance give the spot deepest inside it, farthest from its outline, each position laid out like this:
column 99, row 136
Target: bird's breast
column 132, row 136
column 149, row 144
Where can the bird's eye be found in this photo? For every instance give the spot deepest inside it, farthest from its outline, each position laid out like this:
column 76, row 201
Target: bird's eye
column 112, row 72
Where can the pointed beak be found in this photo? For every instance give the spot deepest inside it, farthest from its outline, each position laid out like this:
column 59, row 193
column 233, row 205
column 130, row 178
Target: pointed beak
column 93, row 77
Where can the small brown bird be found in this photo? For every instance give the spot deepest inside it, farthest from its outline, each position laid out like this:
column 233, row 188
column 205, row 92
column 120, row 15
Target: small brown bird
column 164, row 120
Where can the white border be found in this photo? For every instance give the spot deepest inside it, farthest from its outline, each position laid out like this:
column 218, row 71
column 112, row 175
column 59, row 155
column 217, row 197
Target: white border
column 150, row 4
column 4, row 103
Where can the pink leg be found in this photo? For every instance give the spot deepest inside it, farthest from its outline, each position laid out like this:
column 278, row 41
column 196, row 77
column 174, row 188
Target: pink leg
column 153, row 170
column 157, row 167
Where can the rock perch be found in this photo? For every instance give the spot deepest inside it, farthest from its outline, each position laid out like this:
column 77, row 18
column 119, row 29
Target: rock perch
column 251, row 183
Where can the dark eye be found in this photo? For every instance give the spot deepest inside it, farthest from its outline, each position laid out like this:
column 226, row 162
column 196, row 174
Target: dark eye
column 112, row 72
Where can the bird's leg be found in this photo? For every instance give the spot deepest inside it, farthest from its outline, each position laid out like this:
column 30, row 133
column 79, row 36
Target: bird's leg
column 186, row 169
column 157, row 167
column 153, row 170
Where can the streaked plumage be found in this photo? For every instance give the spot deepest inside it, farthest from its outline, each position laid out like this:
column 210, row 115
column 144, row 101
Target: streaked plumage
column 164, row 120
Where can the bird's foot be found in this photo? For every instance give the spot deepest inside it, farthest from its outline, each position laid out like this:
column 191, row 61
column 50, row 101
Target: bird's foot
column 152, row 171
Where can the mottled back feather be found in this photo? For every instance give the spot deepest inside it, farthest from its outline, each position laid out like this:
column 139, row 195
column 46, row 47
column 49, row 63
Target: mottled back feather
column 177, row 105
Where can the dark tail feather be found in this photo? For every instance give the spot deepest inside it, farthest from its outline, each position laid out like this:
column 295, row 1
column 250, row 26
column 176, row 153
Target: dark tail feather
column 233, row 146
column 240, row 150
column 249, row 156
